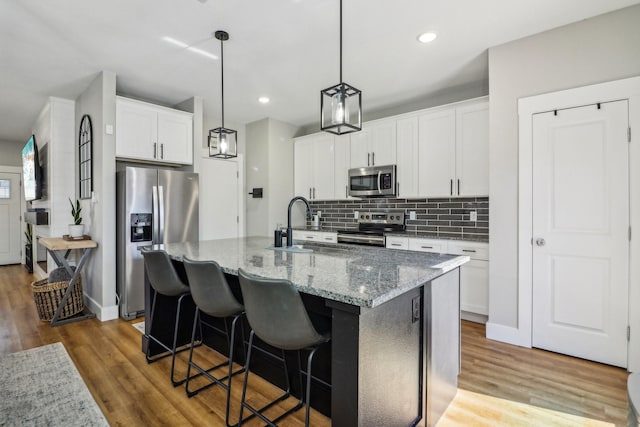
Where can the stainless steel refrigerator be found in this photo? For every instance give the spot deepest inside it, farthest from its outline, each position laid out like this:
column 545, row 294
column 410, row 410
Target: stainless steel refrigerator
column 153, row 206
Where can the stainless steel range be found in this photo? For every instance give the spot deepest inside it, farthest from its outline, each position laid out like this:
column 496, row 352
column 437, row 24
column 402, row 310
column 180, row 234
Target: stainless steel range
column 371, row 228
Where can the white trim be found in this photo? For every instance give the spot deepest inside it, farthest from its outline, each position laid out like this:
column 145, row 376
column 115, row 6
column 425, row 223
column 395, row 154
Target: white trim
column 102, row 313
column 603, row 92
column 507, row 334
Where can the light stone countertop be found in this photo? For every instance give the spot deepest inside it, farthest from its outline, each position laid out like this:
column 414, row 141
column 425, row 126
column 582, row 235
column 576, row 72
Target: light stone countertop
column 357, row 275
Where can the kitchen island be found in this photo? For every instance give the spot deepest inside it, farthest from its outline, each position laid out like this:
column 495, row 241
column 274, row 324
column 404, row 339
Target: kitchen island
column 394, row 356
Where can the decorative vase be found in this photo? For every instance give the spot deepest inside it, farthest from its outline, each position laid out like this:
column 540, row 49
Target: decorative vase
column 76, row 230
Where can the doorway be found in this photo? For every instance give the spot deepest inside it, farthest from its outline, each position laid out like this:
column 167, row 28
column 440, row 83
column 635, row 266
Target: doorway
column 10, row 197
column 626, row 90
column 581, row 231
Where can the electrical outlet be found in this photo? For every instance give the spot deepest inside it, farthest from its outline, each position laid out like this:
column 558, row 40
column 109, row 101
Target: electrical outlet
column 412, row 215
column 473, row 215
column 319, row 214
column 356, row 214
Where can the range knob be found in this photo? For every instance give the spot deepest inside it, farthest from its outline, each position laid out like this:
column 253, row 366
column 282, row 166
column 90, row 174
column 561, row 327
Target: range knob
column 361, row 216
column 398, row 217
column 367, row 216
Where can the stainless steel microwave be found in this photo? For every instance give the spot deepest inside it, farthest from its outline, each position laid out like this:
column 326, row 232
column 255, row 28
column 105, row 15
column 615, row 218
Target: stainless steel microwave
column 374, row 181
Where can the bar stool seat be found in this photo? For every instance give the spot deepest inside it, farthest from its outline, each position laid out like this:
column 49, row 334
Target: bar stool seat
column 165, row 281
column 212, row 296
column 277, row 315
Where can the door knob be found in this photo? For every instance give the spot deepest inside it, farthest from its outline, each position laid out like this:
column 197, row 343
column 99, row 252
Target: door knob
column 540, row 241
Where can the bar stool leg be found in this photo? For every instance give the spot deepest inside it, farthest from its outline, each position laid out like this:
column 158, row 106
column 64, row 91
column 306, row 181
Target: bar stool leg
column 175, row 341
column 308, row 394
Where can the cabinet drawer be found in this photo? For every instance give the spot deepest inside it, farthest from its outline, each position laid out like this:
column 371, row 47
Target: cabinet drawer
column 394, row 242
column 475, row 250
column 315, row 236
column 428, row 245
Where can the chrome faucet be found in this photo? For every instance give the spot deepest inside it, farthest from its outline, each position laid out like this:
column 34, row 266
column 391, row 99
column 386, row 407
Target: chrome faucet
column 289, row 231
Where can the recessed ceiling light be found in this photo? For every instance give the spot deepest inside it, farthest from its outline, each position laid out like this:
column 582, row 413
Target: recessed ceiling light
column 427, row 37
column 263, row 100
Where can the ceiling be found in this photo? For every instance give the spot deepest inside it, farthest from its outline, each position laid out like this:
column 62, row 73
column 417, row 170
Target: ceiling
column 287, row 50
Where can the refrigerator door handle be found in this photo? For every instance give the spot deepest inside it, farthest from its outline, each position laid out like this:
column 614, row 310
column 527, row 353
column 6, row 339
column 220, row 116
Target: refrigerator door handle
column 154, row 214
column 161, row 214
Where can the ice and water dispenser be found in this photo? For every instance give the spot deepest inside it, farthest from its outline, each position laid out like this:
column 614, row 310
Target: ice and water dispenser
column 141, row 227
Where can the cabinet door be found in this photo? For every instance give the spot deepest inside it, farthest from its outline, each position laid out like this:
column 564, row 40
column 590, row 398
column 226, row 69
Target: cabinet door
column 136, row 131
column 407, row 157
column 323, row 167
column 472, row 150
column 359, row 149
column 395, row 242
column 303, row 167
column 474, row 287
column 175, row 137
column 428, row 245
column 436, row 153
column 341, row 158
column 383, row 143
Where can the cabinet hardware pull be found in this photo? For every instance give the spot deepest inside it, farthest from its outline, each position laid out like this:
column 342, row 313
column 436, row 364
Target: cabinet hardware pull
column 458, row 187
column 468, row 250
column 373, row 159
column 346, row 191
column 155, row 150
column 314, row 192
column 310, row 192
column 368, row 159
column 396, row 244
column 162, row 151
column 451, row 187
column 426, row 247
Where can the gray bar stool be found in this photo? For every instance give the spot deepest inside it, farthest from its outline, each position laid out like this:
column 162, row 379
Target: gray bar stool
column 277, row 315
column 165, row 281
column 212, row 295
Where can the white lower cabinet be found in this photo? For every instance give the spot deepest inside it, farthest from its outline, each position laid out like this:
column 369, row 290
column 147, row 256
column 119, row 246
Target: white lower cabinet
column 474, row 275
column 316, row 236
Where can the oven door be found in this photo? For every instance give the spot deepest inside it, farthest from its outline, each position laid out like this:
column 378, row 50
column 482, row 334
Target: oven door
column 375, row 181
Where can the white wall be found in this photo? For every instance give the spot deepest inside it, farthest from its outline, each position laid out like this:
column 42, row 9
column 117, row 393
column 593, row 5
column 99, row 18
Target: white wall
column 269, row 165
column 99, row 101
column 10, row 152
column 596, row 50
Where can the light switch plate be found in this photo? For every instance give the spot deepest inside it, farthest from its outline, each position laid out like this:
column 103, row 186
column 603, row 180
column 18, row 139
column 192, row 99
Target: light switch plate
column 473, row 216
column 356, row 214
column 412, row 215
column 108, row 129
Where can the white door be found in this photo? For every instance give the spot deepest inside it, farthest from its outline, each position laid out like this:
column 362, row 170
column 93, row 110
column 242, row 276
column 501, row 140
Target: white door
column 303, row 168
column 437, row 153
column 219, row 202
column 472, row 150
column 9, row 218
column 580, row 232
column 323, row 167
column 407, row 157
column 175, row 136
column 383, row 143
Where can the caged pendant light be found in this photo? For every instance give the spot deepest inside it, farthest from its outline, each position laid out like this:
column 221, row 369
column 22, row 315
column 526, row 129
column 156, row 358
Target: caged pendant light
column 223, row 142
column 341, row 105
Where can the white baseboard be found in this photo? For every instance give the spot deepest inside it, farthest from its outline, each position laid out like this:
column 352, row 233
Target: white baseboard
column 102, row 313
column 507, row 334
column 473, row 317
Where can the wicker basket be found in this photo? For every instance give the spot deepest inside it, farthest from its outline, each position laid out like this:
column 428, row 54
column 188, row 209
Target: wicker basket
column 47, row 297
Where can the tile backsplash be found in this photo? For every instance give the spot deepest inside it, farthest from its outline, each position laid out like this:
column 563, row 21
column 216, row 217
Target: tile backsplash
column 436, row 217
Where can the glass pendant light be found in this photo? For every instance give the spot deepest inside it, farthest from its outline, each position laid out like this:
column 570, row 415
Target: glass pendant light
column 341, row 105
column 223, row 142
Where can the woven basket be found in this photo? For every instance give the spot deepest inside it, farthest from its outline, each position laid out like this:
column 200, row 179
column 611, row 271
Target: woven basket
column 47, row 297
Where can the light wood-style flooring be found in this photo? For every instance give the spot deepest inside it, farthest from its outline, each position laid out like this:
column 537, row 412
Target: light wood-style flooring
column 500, row 385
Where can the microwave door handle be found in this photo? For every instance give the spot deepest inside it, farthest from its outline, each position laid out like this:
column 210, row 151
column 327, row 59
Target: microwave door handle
column 379, row 179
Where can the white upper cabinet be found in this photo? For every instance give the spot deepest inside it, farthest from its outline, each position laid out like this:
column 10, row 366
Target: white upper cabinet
column 407, row 157
column 454, row 151
column 342, row 155
column 374, row 145
column 314, row 167
column 437, row 153
column 150, row 133
column 472, row 150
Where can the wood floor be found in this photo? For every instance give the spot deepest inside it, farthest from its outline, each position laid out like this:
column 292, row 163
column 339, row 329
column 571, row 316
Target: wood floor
column 500, row 385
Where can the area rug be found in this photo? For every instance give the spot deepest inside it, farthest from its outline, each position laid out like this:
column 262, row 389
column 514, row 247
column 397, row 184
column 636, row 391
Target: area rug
column 42, row 387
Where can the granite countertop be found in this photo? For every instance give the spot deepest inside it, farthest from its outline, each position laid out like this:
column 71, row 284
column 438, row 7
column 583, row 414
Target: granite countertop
column 358, row 275
column 412, row 234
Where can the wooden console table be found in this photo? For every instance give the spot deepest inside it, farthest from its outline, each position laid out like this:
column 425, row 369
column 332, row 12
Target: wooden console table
column 59, row 249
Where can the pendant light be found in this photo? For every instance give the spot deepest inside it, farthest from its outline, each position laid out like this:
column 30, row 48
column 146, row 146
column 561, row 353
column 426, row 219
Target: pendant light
column 223, row 142
column 341, row 105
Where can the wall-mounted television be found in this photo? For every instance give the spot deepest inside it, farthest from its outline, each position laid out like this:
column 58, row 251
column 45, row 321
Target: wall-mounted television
column 31, row 171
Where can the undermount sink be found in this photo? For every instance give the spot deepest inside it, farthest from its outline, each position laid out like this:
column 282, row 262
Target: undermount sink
column 294, row 248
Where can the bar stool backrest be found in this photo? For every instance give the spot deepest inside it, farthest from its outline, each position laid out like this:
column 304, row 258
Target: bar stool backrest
column 209, row 288
column 162, row 275
column 276, row 313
